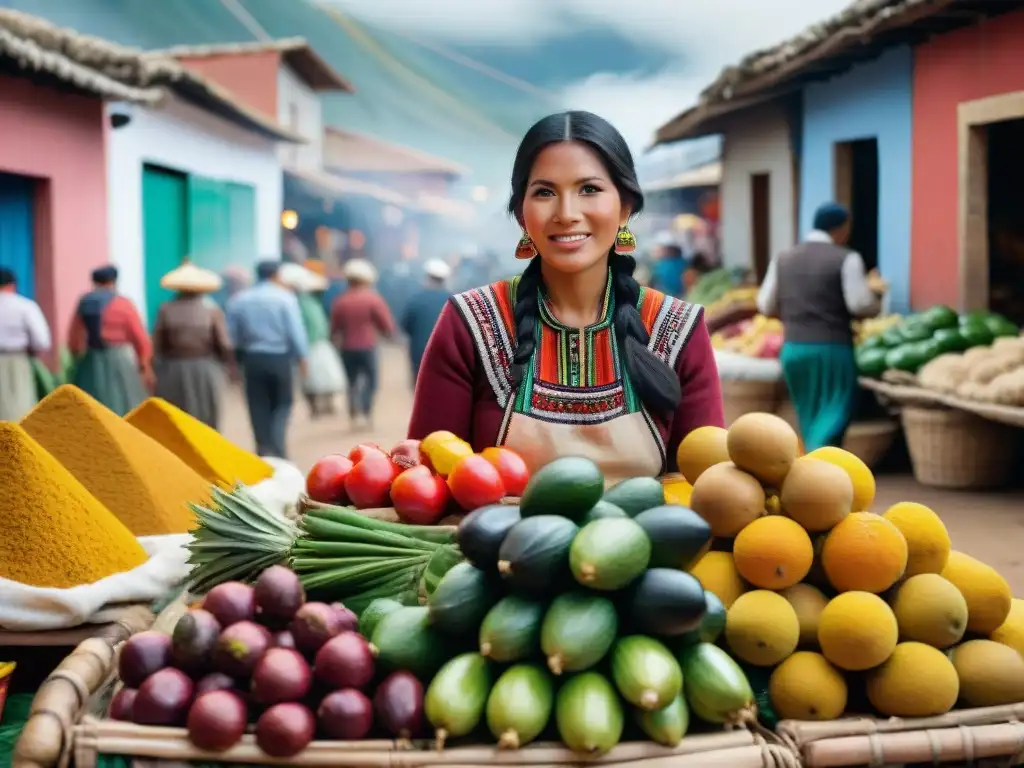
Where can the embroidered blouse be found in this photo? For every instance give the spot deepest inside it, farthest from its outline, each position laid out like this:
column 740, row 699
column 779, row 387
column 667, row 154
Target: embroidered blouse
column 577, row 375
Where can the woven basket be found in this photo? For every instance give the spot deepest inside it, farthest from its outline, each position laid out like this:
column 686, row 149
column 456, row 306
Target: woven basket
column 740, row 397
column 950, row 448
column 871, row 440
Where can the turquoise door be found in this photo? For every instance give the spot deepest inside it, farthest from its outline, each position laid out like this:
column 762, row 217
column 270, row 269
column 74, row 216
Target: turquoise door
column 242, row 212
column 165, row 230
column 17, row 242
column 222, row 223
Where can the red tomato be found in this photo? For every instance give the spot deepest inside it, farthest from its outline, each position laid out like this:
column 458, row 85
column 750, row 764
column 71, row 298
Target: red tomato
column 406, row 454
column 369, row 482
column 363, row 450
column 420, row 497
column 475, row 482
column 510, row 465
column 326, row 480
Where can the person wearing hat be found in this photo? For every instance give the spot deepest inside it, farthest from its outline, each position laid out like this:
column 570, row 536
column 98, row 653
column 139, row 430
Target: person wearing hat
column 191, row 347
column 423, row 309
column 817, row 288
column 24, row 333
column 359, row 317
column 265, row 326
column 112, row 349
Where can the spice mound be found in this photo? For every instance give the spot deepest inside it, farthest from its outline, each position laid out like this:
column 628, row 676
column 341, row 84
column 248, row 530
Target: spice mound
column 146, row 486
column 203, row 448
column 53, row 532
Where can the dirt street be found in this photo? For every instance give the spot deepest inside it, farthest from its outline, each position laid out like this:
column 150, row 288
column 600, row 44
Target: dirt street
column 989, row 526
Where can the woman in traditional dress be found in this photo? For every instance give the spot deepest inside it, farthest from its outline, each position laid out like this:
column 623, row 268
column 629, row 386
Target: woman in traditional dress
column 324, row 378
column 573, row 357
column 24, row 333
column 191, row 344
column 112, row 349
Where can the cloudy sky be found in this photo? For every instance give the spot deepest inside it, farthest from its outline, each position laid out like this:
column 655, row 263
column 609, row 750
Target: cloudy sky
column 638, row 62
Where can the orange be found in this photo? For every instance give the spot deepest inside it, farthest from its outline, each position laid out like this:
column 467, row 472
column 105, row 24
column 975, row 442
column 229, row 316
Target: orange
column 864, row 552
column 773, row 552
column 700, row 449
column 860, row 475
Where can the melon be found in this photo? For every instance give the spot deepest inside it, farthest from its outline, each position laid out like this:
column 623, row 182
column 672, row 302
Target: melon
column 807, row 687
column 763, row 445
column 816, row 494
column 917, row 680
column 991, row 674
column 728, row 498
column 930, row 610
column 808, row 601
column 702, row 448
column 761, row 628
column 987, row 594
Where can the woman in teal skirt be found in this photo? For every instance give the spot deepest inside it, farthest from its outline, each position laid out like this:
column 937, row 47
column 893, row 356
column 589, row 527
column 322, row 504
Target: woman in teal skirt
column 817, row 289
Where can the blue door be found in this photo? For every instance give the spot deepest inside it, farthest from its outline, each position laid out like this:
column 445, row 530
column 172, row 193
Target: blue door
column 17, row 249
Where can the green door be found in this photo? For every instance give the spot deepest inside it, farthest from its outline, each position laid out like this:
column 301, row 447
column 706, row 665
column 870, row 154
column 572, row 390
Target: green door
column 222, row 223
column 242, row 207
column 165, row 230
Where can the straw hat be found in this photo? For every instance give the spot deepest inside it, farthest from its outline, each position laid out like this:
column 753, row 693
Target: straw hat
column 437, row 269
column 360, row 270
column 191, row 279
column 301, row 279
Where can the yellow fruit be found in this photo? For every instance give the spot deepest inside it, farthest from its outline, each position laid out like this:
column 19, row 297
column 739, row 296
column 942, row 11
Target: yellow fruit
column 930, row 610
column 772, row 505
column 991, row 674
column 677, row 490
column 864, row 553
column 808, row 601
column 860, row 476
column 987, row 594
column 816, row 494
column 728, row 498
column 763, row 445
column 717, row 573
column 857, row 631
column 916, row 681
column 761, row 628
column 806, row 687
column 817, row 576
column 773, row 553
column 700, row 449
column 927, row 538
column 1011, row 631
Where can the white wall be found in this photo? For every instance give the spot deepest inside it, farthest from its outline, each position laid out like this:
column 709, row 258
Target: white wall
column 757, row 141
column 184, row 138
column 298, row 109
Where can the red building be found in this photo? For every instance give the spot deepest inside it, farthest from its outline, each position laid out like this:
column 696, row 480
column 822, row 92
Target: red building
column 968, row 173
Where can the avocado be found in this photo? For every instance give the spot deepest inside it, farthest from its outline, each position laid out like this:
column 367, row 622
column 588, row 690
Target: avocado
column 636, row 494
column 535, row 554
column 871, row 361
column 569, row 486
column 679, row 536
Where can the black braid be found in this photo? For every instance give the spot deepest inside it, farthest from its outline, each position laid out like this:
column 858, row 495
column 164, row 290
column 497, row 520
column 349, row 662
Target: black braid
column 526, row 312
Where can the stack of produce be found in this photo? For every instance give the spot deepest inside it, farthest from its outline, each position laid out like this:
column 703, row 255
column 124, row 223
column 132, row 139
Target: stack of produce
column 835, row 600
column 146, row 486
column 711, row 287
column 210, row 455
column 918, row 339
column 759, row 336
column 873, row 326
column 53, row 532
column 422, row 480
column 992, row 374
column 735, row 305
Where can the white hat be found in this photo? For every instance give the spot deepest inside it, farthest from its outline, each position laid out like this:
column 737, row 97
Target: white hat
column 192, row 279
column 437, row 269
column 301, row 279
column 361, row 270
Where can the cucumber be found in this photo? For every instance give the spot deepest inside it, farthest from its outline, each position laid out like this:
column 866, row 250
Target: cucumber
column 461, row 600
column 716, row 688
column 578, row 630
column 666, row 726
column 457, row 696
column 679, row 536
column 710, row 627
column 608, row 554
column 481, row 532
column 602, row 509
column 645, row 672
column 588, row 714
column 665, row 602
column 636, row 494
column 535, row 554
column 374, row 612
column 511, row 629
column 569, row 486
column 404, row 640
column 520, row 705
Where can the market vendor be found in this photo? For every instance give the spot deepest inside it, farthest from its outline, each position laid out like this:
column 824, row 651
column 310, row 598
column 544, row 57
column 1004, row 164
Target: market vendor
column 572, row 357
column 113, row 350
column 817, row 288
column 24, row 333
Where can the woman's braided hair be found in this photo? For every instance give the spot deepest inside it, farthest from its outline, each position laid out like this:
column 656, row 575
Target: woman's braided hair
column 654, row 381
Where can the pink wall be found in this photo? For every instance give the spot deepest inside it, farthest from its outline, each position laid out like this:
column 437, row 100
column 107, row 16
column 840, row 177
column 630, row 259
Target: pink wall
column 251, row 77
column 60, row 140
column 968, row 64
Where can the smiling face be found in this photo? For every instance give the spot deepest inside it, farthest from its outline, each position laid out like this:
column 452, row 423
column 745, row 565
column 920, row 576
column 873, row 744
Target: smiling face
column 572, row 210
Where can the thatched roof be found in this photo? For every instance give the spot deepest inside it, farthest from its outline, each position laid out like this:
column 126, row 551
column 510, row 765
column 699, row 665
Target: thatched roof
column 860, row 31
column 296, row 52
column 118, row 72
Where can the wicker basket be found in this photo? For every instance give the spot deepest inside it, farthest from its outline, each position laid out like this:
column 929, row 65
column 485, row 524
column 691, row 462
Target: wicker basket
column 950, row 448
column 740, row 397
column 871, row 440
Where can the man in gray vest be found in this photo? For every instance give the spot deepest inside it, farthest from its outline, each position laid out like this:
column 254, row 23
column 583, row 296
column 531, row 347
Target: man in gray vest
column 817, row 288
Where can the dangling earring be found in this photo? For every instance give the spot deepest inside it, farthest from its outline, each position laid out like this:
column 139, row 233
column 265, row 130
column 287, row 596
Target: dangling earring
column 625, row 243
column 526, row 248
